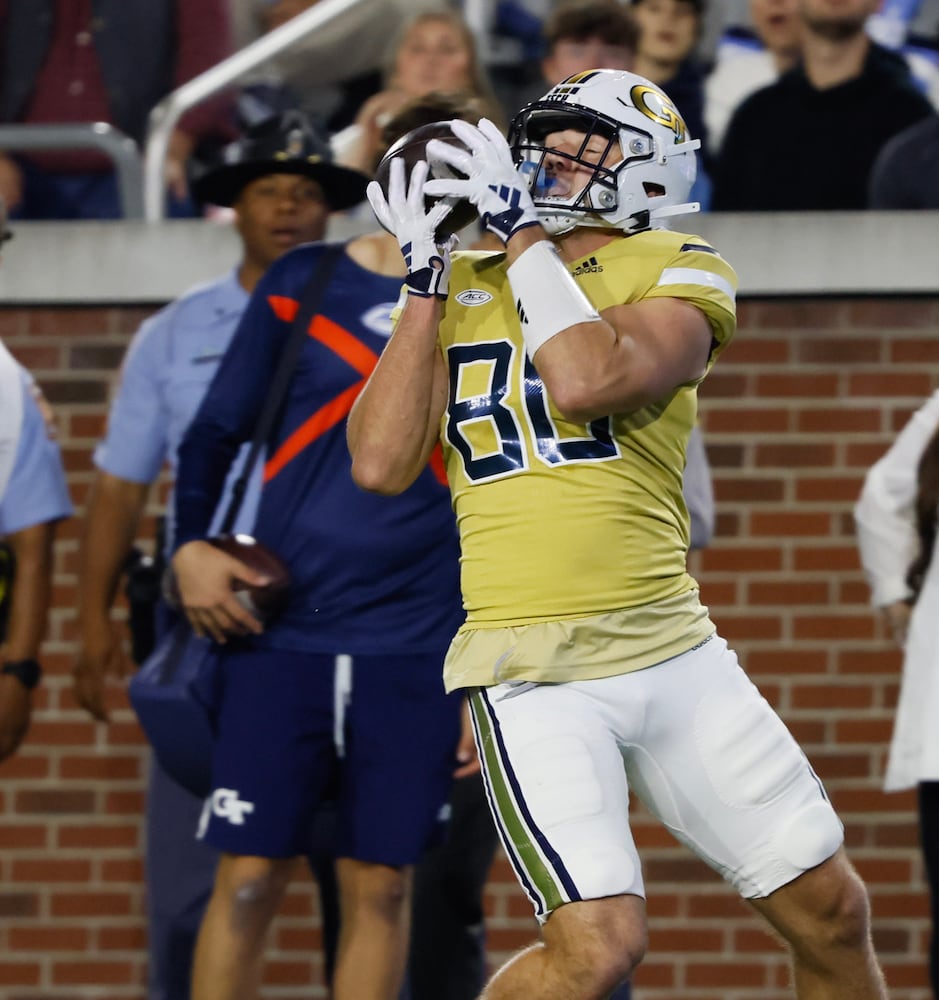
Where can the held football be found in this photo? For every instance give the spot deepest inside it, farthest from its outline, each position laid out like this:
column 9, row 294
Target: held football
column 269, row 599
column 412, row 147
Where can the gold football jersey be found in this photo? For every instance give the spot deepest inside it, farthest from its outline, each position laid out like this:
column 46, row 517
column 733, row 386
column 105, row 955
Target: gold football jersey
column 557, row 520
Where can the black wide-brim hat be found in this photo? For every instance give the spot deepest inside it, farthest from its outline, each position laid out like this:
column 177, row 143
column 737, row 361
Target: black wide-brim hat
column 284, row 144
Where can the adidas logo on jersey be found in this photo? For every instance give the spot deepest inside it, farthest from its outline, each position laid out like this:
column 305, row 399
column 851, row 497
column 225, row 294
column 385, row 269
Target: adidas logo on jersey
column 589, row 266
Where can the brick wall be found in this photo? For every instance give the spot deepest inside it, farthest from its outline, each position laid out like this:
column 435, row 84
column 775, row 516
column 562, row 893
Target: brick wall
column 809, row 395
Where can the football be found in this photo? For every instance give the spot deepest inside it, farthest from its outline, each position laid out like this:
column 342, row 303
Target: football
column 412, row 147
column 265, row 601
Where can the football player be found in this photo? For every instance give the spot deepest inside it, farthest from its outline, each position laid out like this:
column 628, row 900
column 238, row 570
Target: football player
column 561, row 376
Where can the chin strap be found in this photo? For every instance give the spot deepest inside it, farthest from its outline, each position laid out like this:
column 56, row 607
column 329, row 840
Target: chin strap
column 686, row 208
column 665, row 151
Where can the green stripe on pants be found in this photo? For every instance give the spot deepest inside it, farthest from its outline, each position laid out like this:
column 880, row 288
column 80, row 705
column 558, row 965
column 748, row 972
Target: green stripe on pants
column 526, row 853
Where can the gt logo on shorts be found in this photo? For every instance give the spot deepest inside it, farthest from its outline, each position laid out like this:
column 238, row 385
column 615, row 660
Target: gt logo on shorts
column 226, row 805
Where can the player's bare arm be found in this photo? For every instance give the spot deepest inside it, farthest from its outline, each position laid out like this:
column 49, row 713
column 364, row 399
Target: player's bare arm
column 636, row 354
column 393, row 426
column 592, row 364
column 621, row 359
column 395, row 422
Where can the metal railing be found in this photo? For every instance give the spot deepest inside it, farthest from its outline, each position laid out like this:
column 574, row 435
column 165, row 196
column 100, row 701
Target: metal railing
column 166, row 114
column 140, row 179
column 120, row 148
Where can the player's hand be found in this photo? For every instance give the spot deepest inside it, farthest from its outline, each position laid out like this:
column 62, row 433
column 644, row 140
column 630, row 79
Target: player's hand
column 204, row 579
column 403, row 213
column 492, row 183
column 100, row 656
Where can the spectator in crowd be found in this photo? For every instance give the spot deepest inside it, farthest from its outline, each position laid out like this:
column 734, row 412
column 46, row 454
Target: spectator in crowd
column 669, row 31
column 282, row 186
column 434, row 51
column 587, row 34
column 911, row 27
column 341, row 695
column 331, row 72
column 896, row 526
column 591, row 666
column 906, row 171
column 781, row 152
column 581, row 35
column 744, row 66
column 33, row 499
column 76, row 61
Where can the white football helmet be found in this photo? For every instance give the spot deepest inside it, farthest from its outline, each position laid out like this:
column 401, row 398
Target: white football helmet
column 652, row 159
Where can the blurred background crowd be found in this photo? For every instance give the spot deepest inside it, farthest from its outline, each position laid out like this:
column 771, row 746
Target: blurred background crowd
column 866, row 68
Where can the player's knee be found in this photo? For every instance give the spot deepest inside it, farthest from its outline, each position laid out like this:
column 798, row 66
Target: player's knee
column 839, row 920
column 605, row 964
column 617, row 963
column 629, row 945
column 848, row 914
column 600, row 942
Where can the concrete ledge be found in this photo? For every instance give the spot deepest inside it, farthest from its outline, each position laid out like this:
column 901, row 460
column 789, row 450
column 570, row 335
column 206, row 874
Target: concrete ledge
column 836, row 253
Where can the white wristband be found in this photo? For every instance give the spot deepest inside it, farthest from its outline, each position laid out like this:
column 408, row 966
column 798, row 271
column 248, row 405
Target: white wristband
column 547, row 297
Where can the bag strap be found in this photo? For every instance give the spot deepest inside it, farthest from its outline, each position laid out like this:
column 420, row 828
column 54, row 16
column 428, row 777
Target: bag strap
column 310, row 299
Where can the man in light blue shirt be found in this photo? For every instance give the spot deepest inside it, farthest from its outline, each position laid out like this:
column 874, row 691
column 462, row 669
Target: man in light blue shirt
column 33, row 499
column 283, row 189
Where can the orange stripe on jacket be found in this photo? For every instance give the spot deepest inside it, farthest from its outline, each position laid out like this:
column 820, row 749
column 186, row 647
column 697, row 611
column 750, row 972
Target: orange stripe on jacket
column 284, row 308
column 363, row 359
column 354, row 353
column 348, row 347
column 326, row 417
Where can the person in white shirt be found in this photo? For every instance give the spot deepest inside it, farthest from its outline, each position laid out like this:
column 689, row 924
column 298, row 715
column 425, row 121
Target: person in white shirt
column 896, row 518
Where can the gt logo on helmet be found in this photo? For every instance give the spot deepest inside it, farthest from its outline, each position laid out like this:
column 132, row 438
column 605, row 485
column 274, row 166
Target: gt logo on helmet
column 655, row 105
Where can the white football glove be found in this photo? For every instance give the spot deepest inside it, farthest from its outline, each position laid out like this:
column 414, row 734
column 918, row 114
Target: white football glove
column 491, row 182
column 403, row 214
